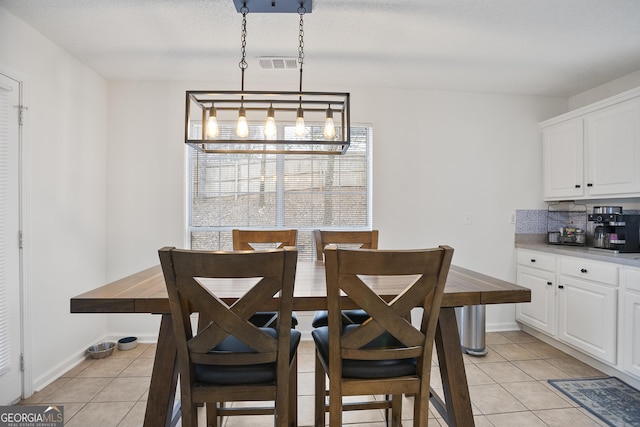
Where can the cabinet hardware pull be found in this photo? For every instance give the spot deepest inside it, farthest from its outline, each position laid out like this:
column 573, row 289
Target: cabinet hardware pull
column 549, row 283
column 583, row 270
column 560, row 287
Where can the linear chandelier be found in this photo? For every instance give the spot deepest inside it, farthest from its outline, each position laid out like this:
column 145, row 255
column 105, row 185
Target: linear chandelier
column 268, row 122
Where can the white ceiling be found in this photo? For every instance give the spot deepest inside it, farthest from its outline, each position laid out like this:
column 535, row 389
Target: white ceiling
column 539, row 47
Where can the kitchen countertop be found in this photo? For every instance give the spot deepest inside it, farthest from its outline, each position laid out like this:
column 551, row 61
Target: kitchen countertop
column 631, row 259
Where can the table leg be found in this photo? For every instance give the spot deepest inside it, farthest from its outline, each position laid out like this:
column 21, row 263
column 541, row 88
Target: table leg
column 454, row 378
column 164, row 377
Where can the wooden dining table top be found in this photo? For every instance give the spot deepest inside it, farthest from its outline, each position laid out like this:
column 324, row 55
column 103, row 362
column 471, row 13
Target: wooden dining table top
column 145, row 292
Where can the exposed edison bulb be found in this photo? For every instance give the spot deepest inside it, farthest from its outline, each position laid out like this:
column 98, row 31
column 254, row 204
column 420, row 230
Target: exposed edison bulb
column 242, row 129
column 329, row 127
column 270, row 125
column 212, row 124
column 300, row 128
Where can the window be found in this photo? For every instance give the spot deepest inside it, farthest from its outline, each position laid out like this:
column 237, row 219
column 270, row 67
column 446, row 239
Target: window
column 270, row 191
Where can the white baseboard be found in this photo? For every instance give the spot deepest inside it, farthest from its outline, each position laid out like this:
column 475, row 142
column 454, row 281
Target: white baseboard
column 149, row 338
column 78, row 356
column 70, row 362
column 502, row 327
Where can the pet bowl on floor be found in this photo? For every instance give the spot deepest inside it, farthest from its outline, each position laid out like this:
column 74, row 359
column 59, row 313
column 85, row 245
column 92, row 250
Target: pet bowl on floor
column 127, row 343
column 101, row 350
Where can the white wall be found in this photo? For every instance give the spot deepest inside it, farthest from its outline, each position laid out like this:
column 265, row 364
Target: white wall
column 437, row 155
column 65, row 145
column 146, row 193
column 471, row 153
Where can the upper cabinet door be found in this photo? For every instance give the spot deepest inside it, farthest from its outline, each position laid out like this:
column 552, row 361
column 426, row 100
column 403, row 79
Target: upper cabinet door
column 563, row 160
column 613, row 150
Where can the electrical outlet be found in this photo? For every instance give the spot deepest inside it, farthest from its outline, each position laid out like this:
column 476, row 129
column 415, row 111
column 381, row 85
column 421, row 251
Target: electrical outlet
column 467, row 219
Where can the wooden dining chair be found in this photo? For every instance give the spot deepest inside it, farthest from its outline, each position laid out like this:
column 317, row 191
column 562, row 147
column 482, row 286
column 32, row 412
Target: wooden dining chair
column 359, row 239
column 386, row 355
column 249, row 240
column 230, row 359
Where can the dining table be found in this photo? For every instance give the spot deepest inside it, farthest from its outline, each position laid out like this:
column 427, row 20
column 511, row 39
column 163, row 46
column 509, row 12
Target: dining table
column 145, row 292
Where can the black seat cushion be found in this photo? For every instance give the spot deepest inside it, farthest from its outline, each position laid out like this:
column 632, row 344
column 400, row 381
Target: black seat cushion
column 242, row 374
column 261, row 318
column 365, row 368
column 321, row 318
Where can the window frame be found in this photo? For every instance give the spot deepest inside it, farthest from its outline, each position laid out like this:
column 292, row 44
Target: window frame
column 305, row 233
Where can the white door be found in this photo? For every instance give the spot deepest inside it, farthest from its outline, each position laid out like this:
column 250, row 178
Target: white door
column 10, row 306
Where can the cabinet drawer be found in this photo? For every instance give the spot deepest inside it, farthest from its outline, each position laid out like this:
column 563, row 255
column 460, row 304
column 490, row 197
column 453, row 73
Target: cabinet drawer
column 632, row 279
column 590, row 270
column 537, row 260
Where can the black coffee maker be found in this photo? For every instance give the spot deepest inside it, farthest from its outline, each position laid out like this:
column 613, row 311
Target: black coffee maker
column 615, row 231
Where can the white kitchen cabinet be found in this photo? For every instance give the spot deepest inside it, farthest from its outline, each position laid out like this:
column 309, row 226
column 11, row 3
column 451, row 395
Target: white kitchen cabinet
column 540, row 313
column 574, row 300
column 563, row 160
column 588, row 317
column 593, row 153
column 612, row 138
column 588, row 306
column 631, row 322
column 536, row 271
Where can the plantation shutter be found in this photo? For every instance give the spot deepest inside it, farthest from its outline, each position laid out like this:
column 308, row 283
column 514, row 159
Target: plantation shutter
column 5, row 348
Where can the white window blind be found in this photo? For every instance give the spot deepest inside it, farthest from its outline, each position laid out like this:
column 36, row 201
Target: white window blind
column 273, row 191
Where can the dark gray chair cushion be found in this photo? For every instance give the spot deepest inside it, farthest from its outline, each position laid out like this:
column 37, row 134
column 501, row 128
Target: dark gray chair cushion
column 242, row 374
column 365, row 368
column 321, row 318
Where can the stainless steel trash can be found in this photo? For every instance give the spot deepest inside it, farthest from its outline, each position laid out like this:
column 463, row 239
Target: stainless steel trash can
column 471, row 326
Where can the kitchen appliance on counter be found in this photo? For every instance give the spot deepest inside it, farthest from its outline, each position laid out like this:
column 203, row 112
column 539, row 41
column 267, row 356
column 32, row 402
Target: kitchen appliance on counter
column 566, row 224
column 614, row 230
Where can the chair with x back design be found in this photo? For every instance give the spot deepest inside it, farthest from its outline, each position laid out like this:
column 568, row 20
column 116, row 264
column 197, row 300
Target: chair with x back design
column 386, row 355
column 228, row 358
column 359, row 239
column 249, row 240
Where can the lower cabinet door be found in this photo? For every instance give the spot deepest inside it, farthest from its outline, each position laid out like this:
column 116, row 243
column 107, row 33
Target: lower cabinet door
column 631, row 344
column 587, row 317
column 541, row 311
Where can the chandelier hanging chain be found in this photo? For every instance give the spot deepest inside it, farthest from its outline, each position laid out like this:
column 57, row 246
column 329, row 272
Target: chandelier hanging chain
column 243, row 49
column 301, row 11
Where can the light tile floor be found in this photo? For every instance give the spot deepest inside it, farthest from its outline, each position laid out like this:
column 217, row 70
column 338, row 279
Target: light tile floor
column 508, row 388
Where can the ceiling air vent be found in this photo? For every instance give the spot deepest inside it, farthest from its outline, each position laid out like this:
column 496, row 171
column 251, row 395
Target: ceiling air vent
column 278, row 62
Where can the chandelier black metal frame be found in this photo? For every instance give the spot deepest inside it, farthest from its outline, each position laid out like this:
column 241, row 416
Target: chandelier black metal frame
column 311, row 122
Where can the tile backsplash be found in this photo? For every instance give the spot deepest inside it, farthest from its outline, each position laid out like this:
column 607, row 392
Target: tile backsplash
column 541, row 221
column 531, row 221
